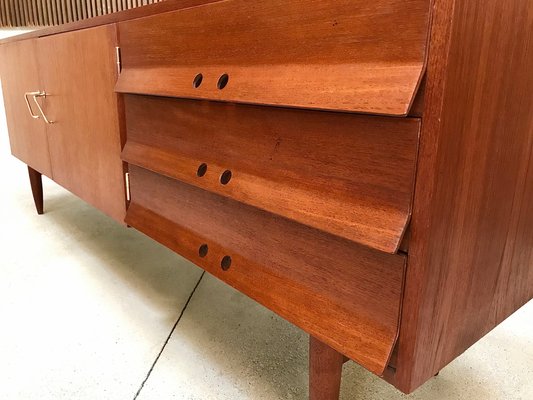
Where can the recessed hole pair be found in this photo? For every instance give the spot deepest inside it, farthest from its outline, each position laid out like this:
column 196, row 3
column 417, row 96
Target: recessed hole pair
column 225, row 263
column 221, row 84
column 224, row 178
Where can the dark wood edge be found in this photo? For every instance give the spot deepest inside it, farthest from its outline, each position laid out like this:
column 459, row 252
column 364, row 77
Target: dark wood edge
column 36, row 183
column 139, row 12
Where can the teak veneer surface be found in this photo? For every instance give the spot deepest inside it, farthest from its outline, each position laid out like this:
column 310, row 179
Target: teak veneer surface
column 20, row 74
column 78, row 70
column 351, row 55
column 346, row 295
column 346, row 174
column 470, row 261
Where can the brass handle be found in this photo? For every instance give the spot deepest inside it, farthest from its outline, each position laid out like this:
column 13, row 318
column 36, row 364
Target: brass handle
column 28, row 102
column 41, row 94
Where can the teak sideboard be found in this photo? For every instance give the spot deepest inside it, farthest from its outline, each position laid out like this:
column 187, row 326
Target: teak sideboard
column 363, row 169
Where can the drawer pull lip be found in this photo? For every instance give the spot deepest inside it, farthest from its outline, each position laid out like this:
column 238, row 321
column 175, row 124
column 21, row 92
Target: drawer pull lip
column 225, row 263
column 197, row 81
column 203, row 250
column 202, row 169
column 338, row 280
column 223, row 81
column 225, row 177
column 305, row 157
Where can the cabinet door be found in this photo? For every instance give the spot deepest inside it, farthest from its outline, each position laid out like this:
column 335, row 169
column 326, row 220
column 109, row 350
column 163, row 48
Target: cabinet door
column 19, row 73
column 79, row 72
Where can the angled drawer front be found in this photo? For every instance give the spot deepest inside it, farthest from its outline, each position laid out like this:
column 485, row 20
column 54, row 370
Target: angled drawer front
column 345, row 294
column 346, row 174
column 351, row 55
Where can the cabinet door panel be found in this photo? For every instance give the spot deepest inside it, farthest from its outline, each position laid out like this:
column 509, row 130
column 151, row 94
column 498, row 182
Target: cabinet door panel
column 79, row 73
column 19, row 73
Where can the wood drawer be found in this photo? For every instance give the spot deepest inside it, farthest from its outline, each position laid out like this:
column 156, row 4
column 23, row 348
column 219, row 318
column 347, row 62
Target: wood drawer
column 346, row 174
column 346, row 295
column 349, row 55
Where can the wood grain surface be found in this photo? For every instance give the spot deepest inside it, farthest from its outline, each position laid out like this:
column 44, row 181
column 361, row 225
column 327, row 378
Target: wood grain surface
column 19, row 73
column 350, row 55
column 79, row 70
column 346, row 174
column 470, row 261
column 346, row 295
column 342, row 183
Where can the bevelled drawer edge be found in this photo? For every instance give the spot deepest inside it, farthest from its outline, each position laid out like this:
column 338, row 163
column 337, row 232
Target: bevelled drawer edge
column 344, row 294
column 346, row 174
column 257, row 85
column 341, row 55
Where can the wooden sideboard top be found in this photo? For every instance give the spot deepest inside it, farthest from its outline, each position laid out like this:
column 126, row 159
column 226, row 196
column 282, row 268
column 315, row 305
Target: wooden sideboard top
column 139, row 12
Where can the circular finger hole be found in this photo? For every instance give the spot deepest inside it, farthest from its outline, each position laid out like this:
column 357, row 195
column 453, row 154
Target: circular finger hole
column 225, row 263
column 223, row 81
column 225, row 177
column 202, row 169
column 197, row 81
column 202, row 251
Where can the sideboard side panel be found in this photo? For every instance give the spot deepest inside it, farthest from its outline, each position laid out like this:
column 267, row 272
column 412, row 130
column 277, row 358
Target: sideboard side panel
column 471, row 253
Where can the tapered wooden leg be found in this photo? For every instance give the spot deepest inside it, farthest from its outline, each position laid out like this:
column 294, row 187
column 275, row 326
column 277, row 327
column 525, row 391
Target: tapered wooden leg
column 36, row 182
column 325, row 371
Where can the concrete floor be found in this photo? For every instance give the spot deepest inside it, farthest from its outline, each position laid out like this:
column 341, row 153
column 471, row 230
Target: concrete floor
column 92, row 310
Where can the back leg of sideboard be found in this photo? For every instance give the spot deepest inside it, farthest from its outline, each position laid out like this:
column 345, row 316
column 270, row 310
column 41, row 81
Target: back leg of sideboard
column 325, row 371
column 36, row 182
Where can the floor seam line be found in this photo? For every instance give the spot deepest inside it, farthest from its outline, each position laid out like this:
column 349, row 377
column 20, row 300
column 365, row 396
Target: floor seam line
column 168, row 337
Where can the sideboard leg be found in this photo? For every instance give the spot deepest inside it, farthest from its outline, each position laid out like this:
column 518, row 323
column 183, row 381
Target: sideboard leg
column 325, row 371
column 36, row 182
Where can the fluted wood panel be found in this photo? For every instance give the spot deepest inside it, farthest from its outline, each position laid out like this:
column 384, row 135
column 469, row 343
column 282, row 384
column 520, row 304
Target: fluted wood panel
column 19, row 13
